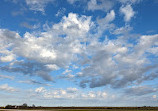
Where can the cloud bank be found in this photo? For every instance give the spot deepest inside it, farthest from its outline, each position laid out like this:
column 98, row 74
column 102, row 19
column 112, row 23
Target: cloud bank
column 116, row 62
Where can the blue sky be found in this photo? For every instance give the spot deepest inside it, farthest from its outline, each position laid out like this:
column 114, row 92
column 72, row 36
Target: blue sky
column 79, row 52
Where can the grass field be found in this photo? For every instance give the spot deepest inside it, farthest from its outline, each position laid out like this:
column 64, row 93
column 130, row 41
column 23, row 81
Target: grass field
column 80, row 110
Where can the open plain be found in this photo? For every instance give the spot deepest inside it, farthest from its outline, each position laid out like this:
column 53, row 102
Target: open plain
column 86, row 109
column 75, row 110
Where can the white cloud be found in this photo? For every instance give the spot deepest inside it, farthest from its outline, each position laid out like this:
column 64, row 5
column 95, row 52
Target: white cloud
column 87, row 54
column 72, row 90
column 60, row 12
column 105, row 24
column 73, row 25
column 7, row 37
column 130, row 1
column 70, row 93
column 5, row 87
column 52, row 66
column 6, row 77
column 29, row 26
column 94, row 95
column 104, row 5
column 140, row 90
column 38, row 5
column 69, row 76
column 122, row 30
column 40, row 90
column 7, row 58
column 72, row 1
column 128, row 12
column 146, row 44
column 110, row 16
column 67, row 71
column 153, row 50
column 154, row 96
column 49, row 50
column 114, row 62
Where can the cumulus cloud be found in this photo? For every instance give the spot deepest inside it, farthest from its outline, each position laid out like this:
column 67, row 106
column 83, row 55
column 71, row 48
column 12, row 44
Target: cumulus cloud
column 40, row 89
column 7, row 88
column 87, row 51
column 29, row 68
column 38, row 5
column 140, row 90
column 60, row 12
column 128, row 12
column 122, row 30
column 72, row 1
column 130, row 1
column 151, row 76
column 7, row 58
column 110, row 16
column 34, row 5
column 154, row 96
column 74, row 25
column 6, row 77
column 72, row 90
column 5, row 42
column 105, row 23
column 103, row 5
column 115, row 62
column 29, row 26
column 69, row 93
column 68, row 76
column 49, row 51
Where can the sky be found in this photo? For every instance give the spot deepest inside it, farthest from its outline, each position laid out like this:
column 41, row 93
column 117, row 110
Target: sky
column 79, row 52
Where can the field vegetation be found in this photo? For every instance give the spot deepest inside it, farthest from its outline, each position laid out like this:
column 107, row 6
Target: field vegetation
column 24, row 107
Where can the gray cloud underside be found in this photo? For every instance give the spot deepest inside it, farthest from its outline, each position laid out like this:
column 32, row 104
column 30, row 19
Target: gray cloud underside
column 116, row 62
column 141, row 90
column 33, row 82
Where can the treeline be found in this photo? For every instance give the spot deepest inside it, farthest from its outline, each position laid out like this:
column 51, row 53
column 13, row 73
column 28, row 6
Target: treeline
column 25, row 106
column 141, row 108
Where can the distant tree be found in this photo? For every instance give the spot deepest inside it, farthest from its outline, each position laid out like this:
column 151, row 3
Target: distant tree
column 33, row 106
column 8, row 107
column 24, row 105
